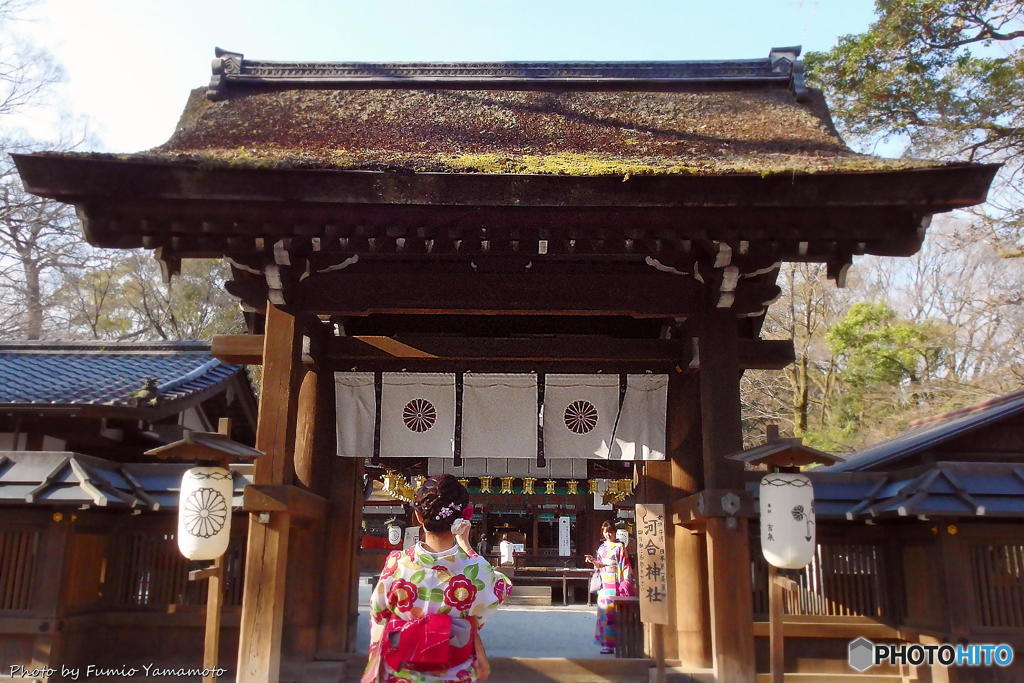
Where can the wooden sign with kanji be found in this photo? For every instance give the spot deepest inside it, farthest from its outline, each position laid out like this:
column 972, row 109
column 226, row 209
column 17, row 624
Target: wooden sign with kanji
column 652, row 565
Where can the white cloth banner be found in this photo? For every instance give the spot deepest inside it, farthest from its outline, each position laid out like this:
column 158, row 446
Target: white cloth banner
column 641, row 431
column 579, row 411
column 356, row 405
column 417, row 415
column 499, row 416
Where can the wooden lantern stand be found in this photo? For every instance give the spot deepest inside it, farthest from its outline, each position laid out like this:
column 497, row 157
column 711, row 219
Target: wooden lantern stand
column 209, row 449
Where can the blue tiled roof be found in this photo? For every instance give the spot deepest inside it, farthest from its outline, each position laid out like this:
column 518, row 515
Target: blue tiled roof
column 945, row 489
column 107, row 374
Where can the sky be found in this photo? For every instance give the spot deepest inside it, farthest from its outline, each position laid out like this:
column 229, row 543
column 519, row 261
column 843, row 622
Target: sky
column 130, row 64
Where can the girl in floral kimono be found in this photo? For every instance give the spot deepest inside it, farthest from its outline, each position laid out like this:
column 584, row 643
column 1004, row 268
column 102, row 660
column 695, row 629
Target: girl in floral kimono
column 432, row 599
column 612, row 562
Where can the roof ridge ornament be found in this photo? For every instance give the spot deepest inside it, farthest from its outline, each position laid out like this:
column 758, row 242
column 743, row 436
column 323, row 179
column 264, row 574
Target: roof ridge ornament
column 781, row 67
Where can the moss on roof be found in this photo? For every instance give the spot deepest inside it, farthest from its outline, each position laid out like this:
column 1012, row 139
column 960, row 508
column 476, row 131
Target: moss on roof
column 522, row 132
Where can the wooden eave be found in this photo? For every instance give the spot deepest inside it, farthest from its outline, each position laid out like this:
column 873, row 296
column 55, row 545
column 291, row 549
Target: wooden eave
column 359, row 243
column 193, row 210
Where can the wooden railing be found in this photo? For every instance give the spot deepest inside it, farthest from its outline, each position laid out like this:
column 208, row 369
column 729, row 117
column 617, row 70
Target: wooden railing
column 18, row 550
column 151, row 572
column 629, row 641
column 998, row 584
column 843, row 579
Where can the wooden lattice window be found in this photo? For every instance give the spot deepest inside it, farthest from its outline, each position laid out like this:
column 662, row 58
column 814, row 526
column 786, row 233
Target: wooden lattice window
column 843, row 579
column 153, row 573
column 999, row 584
column 18, row 551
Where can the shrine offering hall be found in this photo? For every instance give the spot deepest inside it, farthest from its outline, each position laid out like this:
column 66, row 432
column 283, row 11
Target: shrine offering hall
column 544, row 278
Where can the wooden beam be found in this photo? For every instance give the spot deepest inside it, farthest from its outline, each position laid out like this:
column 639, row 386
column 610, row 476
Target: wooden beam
column 636, row 295
column 297, row 502
column 238, row 349
column 699, row 506
column 430, row 350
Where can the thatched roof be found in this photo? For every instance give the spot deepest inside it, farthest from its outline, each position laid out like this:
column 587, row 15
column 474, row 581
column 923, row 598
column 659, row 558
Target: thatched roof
column 757, row 130
column 574, row 118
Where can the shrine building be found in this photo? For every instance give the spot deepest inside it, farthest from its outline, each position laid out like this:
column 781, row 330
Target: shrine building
column 532, row 275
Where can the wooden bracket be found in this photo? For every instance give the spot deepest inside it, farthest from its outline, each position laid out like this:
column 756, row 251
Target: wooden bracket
column 283, row 498
column 203, row 574
column 700, row 506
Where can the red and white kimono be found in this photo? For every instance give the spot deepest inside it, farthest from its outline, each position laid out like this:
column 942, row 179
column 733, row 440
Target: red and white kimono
column 417, row 583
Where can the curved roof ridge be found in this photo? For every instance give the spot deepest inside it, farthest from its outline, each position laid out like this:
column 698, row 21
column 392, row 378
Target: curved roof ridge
column 781, row 67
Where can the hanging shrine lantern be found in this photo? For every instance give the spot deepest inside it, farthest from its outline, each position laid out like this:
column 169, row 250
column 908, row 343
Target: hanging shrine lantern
column 787, row 520
column 506, row 484
column 418, row 481
column 549, row 486
column 592, row 485
column 786, row 498
column 395, row 530
column 528, row 484
column 464, row 482
column 485, row 484
column 204, row 512
column 572, row 487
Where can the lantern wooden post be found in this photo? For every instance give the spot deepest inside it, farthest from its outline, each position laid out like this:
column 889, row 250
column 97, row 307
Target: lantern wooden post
column 781, row 456
column 211, row 449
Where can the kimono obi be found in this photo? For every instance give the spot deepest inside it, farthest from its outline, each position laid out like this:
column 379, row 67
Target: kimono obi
column 436, row 642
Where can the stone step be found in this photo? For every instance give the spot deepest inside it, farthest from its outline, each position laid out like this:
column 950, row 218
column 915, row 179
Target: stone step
column 530, row 595
column 556, row 670
column 837, row 677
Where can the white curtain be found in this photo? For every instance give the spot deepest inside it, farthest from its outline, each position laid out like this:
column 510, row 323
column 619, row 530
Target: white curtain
column 579, row 412
column 417, row 415
column 641, row 431
column 499, row 416
column 355, row 404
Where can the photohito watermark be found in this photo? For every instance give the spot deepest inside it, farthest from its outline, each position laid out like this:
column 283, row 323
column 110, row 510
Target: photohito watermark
column 864, row 654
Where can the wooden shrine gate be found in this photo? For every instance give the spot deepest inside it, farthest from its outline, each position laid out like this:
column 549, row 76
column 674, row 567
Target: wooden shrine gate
column 645, row 235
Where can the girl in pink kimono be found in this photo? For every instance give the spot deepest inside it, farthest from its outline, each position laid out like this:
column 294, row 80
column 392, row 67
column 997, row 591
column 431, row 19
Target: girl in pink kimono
column 432, row 599
column 612, row 562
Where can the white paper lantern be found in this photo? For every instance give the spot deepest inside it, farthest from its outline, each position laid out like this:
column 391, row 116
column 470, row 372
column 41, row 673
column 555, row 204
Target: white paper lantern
column 787, row 520
column 622, row 536
column 394, row 534
column 204, row 513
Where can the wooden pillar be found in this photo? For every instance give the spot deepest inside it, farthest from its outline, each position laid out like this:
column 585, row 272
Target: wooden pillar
column 686, row 548
column 729, row 579
column 50, row 586
column 959, row 610
column 263, row 598
column 339, row 592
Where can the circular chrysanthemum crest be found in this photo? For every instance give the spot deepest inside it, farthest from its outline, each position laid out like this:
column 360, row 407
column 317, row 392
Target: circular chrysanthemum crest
column 419, row 415
column 206, row 511
column 581, row 416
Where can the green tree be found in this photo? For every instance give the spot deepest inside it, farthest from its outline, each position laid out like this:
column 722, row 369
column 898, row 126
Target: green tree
column 876, row 347
column 887, row 368
column 948, row 77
